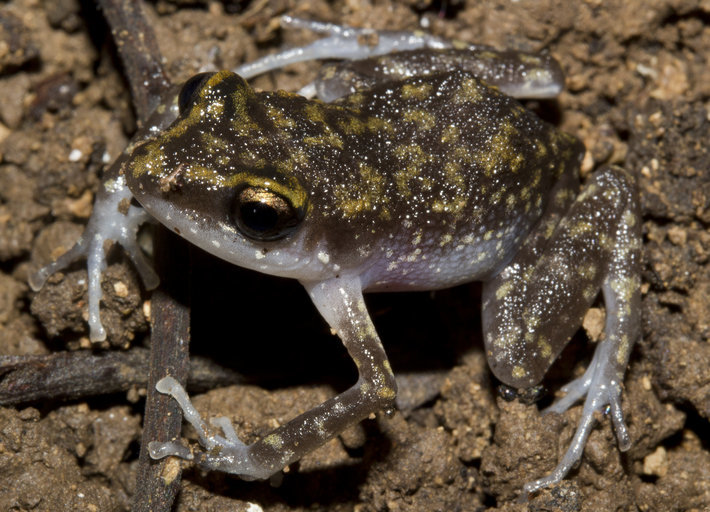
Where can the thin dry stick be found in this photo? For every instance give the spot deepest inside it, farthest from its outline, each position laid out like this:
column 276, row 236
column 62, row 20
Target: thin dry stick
column 157, row 482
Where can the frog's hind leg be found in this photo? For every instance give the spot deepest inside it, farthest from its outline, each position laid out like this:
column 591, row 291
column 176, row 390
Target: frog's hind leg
column 340, row 302
column 521, row 75
column 341, row 42
column 537, row 302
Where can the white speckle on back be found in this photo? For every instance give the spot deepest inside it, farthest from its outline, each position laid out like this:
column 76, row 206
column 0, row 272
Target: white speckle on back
column 323, row 257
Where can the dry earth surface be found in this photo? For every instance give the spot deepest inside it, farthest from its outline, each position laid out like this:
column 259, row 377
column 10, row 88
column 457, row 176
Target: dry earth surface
column 638, row 95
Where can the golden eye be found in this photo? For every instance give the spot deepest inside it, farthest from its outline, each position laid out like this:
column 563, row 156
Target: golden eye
column 262, row 214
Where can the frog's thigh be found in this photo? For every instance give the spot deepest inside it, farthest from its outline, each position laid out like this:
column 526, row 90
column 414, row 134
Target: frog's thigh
column 533, row 307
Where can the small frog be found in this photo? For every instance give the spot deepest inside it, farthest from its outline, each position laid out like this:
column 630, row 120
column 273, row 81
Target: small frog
column 418, row 183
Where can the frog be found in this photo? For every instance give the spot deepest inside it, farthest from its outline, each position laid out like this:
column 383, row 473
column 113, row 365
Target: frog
column 420, row 181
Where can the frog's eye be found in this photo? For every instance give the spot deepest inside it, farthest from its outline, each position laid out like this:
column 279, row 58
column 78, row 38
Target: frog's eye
column 262, row 214
column 190, row 89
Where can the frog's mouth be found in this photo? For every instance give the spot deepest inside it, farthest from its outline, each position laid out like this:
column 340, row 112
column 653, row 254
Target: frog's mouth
column 209, row 225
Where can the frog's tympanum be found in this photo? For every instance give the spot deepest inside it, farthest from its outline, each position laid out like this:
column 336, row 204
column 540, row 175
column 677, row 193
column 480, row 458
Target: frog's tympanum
column 416, row 183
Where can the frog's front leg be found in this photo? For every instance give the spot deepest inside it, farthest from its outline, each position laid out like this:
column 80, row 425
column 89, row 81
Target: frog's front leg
column 113, row 218
column 341, row 303
column 537, row 302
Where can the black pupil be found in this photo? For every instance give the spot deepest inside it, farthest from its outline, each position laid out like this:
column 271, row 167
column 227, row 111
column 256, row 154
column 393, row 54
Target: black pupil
column 259, row 216
column 188, row 90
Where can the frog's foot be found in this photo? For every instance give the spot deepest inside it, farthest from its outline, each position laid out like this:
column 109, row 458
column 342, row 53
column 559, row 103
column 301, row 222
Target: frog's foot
column 222, row 453
column 603, row 393
column 109, row 221
column 342, row 42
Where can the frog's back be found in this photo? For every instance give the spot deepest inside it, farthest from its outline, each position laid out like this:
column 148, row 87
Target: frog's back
column 426, row 182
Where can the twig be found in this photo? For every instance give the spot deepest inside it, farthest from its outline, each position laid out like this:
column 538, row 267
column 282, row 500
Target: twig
column 138, row 48
column 72, row 375
column 157, row 482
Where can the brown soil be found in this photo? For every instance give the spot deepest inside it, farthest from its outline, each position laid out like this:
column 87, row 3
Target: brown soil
column 638, row 94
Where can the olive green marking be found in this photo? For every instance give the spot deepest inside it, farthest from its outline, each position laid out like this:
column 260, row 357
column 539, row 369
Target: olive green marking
column 298, row 158
column 279, row 118
column 147, row 161
column 541, row 148
column 375, row 124
column 423, row 119
column 590, row 292
column 283, row 185
column 622, row 354
column 315, row 112
column 504, row 289
column 274, row 440
column 363, row 195
column 413, row 158
column 500, row 145
column 288, row 96
column 204, row 174
column 454, row 199
column 212, row 143
column 241, row 92
column 624, row 289
column 544, row 346
column 246, row 127
column 469, row 92
column 355, row 100
column 511, row 202
column 588, row 272
column 519, row 372
column 563, row 197
column 629, row 219
column 581, row 227
column 352, row 125
column 386, row 392
column 497, row 195
column 206, row 106
column 450, row 134
column 328, row 140
column 482, row 158
column 214, row 109
column 419, row 91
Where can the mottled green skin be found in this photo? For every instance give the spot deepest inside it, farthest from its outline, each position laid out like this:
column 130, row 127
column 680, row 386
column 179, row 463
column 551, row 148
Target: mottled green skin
column 442, row 167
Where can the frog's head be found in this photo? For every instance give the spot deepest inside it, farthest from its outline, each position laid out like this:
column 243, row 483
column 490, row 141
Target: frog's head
column 208, row 178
